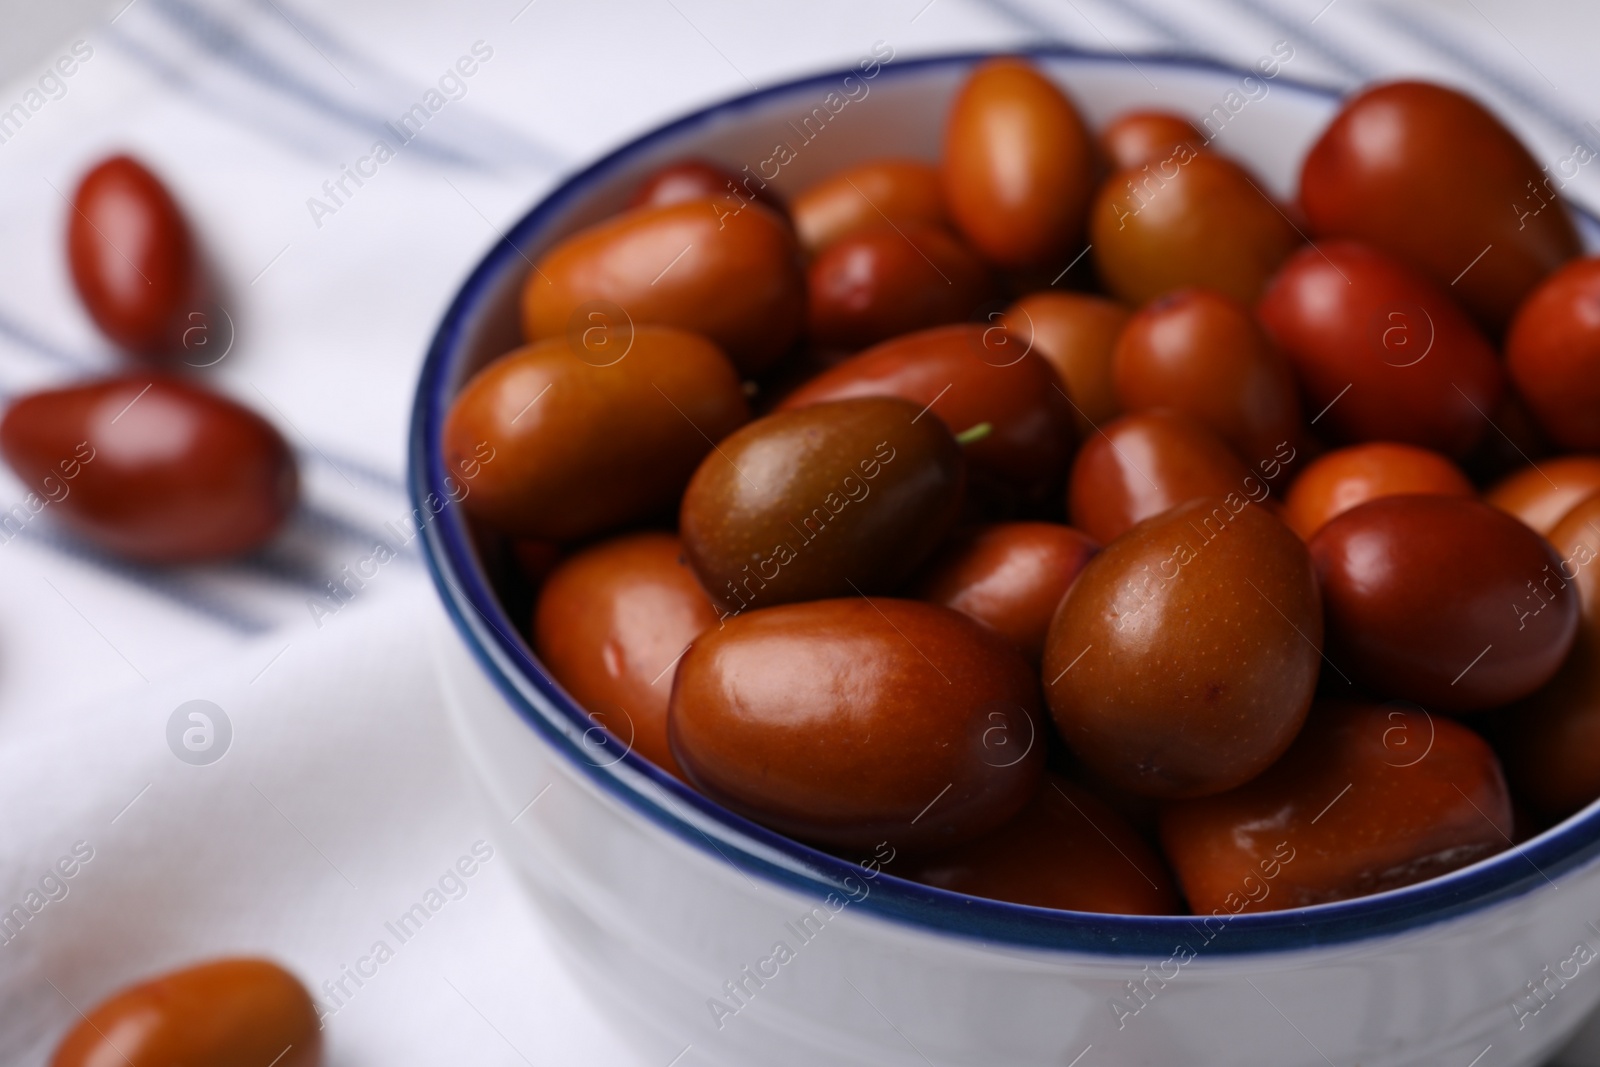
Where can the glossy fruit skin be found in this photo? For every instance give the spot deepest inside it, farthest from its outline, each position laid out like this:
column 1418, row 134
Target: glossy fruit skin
column 133, row 260
column 1337, row 481
column 151, row 468
column 968, row 379
column 1076, row 334
column 1135, row 138
column 867, row 195
column 1201, row 353
column 223, row 1013
column 607, row 445
column 883, row 281
column 1431, row 599
column 1351, row 318
column 824, row 721
column 1553, row 354
column 738, row 280
column 1552, row 739
column 1141, row 465
column 1183, row 659
column 1430, row 176
column 610, row 624
column 1194, row 219
column 1369, row 798
column 700, row 179
column 1067, row 849
column 1018, row 166
column 1542, row 496
column 823, row 501
column 1010, row 576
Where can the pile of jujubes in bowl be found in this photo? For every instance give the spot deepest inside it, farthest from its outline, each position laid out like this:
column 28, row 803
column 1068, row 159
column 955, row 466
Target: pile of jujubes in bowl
column 1067, row 513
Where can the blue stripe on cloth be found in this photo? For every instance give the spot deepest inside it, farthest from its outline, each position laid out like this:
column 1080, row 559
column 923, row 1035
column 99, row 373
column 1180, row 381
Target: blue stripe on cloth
column 484, row 135
column 1321, row 46
column 271, row 564
column 227, row 44
column 277, row 565
column 329, row 523
column 178, row 585
column 26, row 338
column 347, row 466
column 1160, row 23
column 1554, row 115
column 183, row 81
column 342, row 464
column 1048, row 30
column 1022, row 18
column 1155, row 20
column 170, row 587
column 230, row 45
column 324, row 39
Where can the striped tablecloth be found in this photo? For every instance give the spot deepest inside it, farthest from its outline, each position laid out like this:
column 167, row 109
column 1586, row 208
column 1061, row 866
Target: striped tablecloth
column 337, row 803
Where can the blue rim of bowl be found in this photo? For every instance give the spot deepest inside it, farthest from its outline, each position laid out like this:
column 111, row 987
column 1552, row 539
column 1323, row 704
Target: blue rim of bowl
column 759, row 852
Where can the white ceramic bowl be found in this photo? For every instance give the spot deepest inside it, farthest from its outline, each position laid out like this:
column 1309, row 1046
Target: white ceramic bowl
column 711, row 939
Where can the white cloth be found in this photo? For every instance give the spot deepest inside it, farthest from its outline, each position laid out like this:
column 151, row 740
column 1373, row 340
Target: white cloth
column 335, row 809
column 338, row 803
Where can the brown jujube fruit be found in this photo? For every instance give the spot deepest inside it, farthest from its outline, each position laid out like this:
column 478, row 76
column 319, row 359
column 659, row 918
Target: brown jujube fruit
column 1141, row 465
column 733, row 276
column 1067, row 849
column 133, row 260
column 823, row 501
column 1443, row 600
column 852, row 722
column 569, row 448
column 1429, row 175
column 1017, row 165
column 1183, row 659
column 1369, row 798
column 960, row 376
column 1076, row 334
column 1541, row 495
column 700, row 179
column 151, row 468
column 223, row 1013
column 1552, row 739
column 610, row 624
column 1194, row 219
column 879, row 191
column 1553, row 354
column 882, row 281
column 1382, row 353
column 1340, row 480
column 1135, row 138
column 1010, row 576
column 1201, row 353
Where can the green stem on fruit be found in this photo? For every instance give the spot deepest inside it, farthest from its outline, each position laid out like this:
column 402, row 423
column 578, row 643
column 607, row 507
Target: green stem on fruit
column 974, row 433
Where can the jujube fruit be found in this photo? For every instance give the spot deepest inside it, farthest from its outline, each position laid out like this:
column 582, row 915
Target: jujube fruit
column 851, row 722
column 1183, row 659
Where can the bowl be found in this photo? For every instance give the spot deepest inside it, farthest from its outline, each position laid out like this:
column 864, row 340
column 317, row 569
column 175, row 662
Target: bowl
column 711, row 940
